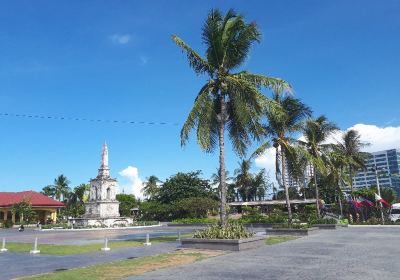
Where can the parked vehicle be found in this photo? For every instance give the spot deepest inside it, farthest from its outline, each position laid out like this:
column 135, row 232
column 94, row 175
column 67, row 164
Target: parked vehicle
column 394, row 215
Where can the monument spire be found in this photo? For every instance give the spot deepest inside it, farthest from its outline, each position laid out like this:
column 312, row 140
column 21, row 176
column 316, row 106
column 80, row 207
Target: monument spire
column 104, row 171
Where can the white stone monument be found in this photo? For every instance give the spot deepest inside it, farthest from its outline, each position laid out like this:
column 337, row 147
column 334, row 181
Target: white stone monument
column 102, row 209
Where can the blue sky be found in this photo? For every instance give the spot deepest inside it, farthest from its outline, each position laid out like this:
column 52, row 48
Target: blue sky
column 115, row 60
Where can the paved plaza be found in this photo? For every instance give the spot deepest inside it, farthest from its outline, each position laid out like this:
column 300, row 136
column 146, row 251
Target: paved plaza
column 353, row 253
column 348, row 253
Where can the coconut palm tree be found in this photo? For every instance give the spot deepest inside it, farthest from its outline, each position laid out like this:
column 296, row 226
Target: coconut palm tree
column 260, row 185
column 228, row 101
column 350, row 149
column 316, row 132
column 151, row 188
column 280, row 128
column 215, row 180
column 61, row 188
column 244, row 179
column 48, row 191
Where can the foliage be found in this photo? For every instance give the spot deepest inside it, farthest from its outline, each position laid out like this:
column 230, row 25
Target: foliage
column 323, row 222
column 196, row 207
column 8, row 224
column 280, row 128
column 387, row 194
column 126, row 203
column 253, row 215
column 24, row 210
column 292, row 226
column 232, row 230
column 195, row 221
column 183, row 185
column 228, row 101
column 151, row 187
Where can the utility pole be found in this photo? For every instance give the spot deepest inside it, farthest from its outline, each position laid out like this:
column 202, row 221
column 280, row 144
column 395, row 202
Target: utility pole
column 379, row 191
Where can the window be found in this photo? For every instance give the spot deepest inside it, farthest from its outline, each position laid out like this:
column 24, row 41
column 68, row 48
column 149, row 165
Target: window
column 108, row 193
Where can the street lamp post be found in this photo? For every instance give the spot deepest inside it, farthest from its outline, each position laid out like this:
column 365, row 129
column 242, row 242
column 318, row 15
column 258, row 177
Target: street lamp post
column 379, row 192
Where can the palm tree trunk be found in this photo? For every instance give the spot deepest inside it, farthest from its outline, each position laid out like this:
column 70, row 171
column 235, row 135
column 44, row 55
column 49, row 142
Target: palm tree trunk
column 222, row 175
column 351, row 180
column 286, row 187
column 316, row 191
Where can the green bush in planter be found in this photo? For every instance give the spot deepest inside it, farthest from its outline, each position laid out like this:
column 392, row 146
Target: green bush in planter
column 233, row 230
column 324, row 222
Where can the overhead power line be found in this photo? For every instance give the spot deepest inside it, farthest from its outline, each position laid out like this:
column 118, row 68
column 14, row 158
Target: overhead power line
column 31, row 116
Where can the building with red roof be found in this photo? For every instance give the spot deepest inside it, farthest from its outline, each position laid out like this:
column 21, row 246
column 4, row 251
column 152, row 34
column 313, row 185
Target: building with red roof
column 44, row 206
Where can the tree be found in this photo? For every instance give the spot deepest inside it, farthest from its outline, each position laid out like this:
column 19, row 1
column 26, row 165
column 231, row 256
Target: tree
column 231, row 101
column 183, row 185
column 279, row 129
column 151, row 186
column 350, row 148
column 215, row 180
column 316, row 132
column 126, row 203
column 75, row 201
column 61, row 188
column 24, row 210
column 260, row 185
column 244, row 179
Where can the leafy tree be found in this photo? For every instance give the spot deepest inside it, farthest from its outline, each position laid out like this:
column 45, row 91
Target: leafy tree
column 126, row 203
column 183, row 185
column 260, row 185
column 151, row 187
column 24, row 210
column 196, row 207
column 316, row 132
column 228, row 101
column 75, row 201
column 279, row 129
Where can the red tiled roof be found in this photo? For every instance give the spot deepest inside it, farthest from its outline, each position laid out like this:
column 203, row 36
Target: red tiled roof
column 34, row 198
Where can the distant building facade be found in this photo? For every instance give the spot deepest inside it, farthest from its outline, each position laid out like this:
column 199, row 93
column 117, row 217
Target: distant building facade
column 45, row 207
column 387, row 164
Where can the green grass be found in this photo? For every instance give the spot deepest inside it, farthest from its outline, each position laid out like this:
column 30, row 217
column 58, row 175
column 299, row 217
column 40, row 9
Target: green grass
column 52, row 249
column 125, row 268
column 279, row 239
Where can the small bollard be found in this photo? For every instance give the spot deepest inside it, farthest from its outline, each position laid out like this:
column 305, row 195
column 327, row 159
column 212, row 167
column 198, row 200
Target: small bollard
column 148, row 243
column 179, row 236
column 35, row 248
column 3, row 247
column 106, row 248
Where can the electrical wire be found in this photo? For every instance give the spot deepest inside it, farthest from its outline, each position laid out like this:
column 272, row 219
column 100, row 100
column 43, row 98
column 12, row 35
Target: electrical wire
column 32, row 116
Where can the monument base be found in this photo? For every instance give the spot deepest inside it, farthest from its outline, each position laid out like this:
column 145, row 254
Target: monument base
column 100, row 222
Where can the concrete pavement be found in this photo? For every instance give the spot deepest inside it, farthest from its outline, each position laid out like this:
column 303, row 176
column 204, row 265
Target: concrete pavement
column 352, row 253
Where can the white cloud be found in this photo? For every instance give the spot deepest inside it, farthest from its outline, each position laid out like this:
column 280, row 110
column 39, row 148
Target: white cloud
column 380, row 138
column 131, row 182
column 120, row 39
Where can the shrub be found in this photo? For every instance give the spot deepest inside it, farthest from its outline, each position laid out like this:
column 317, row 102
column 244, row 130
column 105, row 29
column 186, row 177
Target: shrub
column 324, row 221
column 195, row 221
column 8, row 224
column 233, row 230
column 293, row 226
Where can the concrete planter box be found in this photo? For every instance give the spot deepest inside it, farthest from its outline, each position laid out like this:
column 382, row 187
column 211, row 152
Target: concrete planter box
column 325, row 226
column 224, row 244
column 290, row 231
column 259, row 225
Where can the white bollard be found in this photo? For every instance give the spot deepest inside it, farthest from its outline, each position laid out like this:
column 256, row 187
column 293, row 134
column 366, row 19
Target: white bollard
column 106, row 248
column 3, row 248
column 35, row 248
column 179, row 236
column 148, row 243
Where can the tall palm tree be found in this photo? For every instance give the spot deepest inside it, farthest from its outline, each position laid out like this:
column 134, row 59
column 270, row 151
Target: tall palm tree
column 228, row 100
column 151, row 188
column 279, row 129
column 350, row 149
column 48, row 191
column 316, row 132
column 244, row 179
column 260, row 185
column 61, row 188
